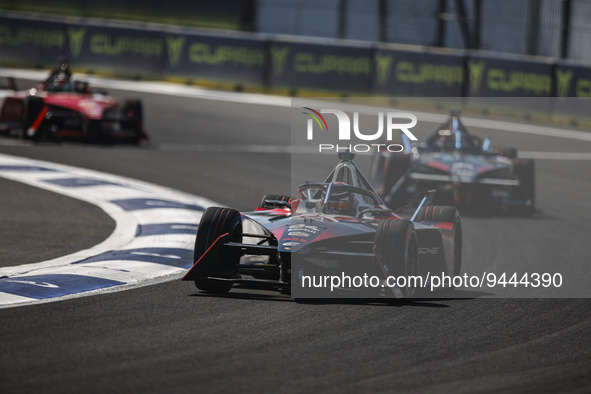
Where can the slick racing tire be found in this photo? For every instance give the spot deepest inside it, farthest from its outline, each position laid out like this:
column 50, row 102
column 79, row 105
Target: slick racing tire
column 276, row 197
column 134, row 109
column 396, row 245
column 447, row 214
column 32, row 107
column 218, row 262
column 525, row 171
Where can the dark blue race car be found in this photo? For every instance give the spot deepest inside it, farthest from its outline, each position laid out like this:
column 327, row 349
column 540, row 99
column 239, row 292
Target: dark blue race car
column 465, row 170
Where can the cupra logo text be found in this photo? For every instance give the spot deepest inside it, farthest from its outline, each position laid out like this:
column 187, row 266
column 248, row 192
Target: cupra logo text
column 344, row 130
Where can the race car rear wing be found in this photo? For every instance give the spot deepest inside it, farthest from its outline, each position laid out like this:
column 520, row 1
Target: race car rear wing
column 419, row 176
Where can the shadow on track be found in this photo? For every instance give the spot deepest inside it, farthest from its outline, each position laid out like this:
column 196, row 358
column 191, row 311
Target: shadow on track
column 430, row 302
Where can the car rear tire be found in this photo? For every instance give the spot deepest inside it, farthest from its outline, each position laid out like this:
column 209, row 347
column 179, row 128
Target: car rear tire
column 396, row 245
column 134, row 109
column 219, row 262
column 449, row 214
column 525, row 171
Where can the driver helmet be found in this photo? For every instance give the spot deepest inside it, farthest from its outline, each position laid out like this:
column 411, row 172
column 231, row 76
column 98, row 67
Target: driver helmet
column 446, row 140
column 341, row 203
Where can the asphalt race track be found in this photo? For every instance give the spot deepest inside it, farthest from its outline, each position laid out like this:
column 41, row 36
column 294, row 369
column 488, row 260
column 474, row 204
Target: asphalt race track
column 171, row 338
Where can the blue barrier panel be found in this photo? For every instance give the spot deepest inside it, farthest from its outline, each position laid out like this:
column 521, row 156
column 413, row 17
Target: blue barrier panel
column 399, row 72
column 31, row 41
column 116, row 48
column 156, row 51
column 572, row 79
column 572, row 85
column 320, row 66
column 508, row 76
column 230, row 58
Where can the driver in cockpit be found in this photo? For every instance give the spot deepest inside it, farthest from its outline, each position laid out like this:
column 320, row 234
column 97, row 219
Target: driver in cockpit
column 60, row 85
column 60, row 78
column 446, row 140
column 342, row 203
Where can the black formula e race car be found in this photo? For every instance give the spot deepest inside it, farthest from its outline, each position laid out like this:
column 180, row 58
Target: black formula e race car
column 334, row 230
column 61, row 107
column 466, row 171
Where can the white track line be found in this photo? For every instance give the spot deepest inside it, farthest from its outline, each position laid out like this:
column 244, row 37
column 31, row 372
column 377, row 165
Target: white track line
column 307, row 149
column 555, row 155
column 153, row 238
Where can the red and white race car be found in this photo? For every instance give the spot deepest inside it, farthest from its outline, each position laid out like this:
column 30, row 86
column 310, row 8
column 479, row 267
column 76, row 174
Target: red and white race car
column 62, row 107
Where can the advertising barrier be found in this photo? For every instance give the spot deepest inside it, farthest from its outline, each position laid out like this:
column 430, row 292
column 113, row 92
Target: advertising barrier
column 220, row 58
column 282, row 63
column 321, row 66
column 572, row 80
column 573, row 89
column 399, row 72
column 495, row 76
column 31, row 42
column 115, row 49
